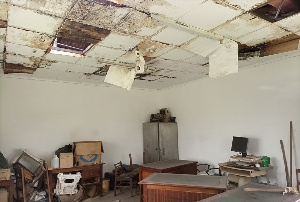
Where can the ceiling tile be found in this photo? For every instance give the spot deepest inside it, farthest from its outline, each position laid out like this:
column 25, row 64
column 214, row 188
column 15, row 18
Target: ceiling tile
column 32, row 20
column 245, row 4
column 53, row 7
column 177, row 54
column 28, row 38
column 120, row 41
column 128, row 58
column 3, row 11
column 106, row 53
column 263, row 35
column 151, row 48
column 82, row 69
column 224, row 60
column 61, row 58
column 138, row 23
column 291, row 23
column 89, row 61
column 197, row 60
column 17, row 59
column 241, row 26
column 24, row 50
column 202, row 46
column 298, row 33
column 208, row 15
column 91, row 13
column 2, row 32
column 59, row 66
column 173, row 36
column 1, row 57
column 177, row 7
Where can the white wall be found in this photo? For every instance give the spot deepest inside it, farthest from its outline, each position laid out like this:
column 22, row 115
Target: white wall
column 42, row 116
column 257, row 103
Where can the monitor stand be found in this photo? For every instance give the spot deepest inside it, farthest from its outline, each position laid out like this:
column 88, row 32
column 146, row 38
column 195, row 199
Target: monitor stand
column 244, row 154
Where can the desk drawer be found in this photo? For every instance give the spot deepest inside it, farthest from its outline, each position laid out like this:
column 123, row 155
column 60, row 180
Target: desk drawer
column 91, row 172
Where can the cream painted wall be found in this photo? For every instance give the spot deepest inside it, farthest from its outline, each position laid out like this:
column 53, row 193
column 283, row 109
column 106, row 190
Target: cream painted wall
column 42, row 116
column 257, row 103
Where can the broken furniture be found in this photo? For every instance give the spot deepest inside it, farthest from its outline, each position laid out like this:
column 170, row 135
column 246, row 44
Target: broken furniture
column 170, row 166
column 244, row 175
column 124, row 180
column 160, row 141
column 28, row 171
column 181, row 187
column 205, row 169
column 67, row 183
column 91, row 175
column 9, row 185
column 297, row 178
column 239, row 194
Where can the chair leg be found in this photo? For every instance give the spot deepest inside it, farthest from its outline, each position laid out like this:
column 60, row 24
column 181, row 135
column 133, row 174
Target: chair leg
column 131, row 187
column 115, row 188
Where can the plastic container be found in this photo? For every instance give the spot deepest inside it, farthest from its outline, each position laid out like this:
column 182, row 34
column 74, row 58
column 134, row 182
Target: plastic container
column 265, row 161
column 55, row 162
column 105, row 186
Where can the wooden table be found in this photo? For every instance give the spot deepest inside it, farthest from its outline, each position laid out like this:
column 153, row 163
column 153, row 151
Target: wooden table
column 167, row 187
column 9, row 184
column 87, row 172
column 170, row 166
column 245, row 172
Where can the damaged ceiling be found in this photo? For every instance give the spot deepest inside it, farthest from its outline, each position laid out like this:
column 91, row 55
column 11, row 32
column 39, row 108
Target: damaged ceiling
column 181, row 41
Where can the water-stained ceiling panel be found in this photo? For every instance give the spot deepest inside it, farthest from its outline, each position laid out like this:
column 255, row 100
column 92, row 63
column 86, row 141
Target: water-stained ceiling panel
column 177, row 54
column 241, row 26
column 290, row 23
column 244, row 4
column 105, row 53
column 92, row 13
column 24, row 50
column 122, row 42
column 263, row 35
column 28, row 38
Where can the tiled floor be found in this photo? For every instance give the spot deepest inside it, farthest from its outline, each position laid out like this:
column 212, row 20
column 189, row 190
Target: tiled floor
column 125, row 196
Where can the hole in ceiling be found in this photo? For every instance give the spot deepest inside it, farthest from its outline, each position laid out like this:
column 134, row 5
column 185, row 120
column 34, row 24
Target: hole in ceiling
column 75, row 39
column 277, row 10
column 66, row 46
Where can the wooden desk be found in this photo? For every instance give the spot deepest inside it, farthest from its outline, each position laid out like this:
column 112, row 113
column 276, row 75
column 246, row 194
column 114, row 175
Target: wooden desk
column 166, row 187
column 87, row 172
column 170, row 166
column 244, row 172
column 9, row 184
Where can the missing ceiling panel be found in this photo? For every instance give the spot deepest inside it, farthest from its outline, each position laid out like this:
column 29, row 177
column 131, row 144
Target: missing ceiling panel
column 277, row 10
column 224, row 60
column 17, row 68
column 120, row 76
column 76, row 39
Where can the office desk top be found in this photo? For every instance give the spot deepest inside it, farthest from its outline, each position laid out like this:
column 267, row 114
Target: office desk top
column 238, row 195
column 161, row 165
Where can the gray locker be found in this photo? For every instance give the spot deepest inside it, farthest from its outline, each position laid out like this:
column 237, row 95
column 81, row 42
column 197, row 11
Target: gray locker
column 160, row 141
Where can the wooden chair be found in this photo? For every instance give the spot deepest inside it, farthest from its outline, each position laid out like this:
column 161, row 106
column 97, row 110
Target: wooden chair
column 124, row 180
column 297, row 178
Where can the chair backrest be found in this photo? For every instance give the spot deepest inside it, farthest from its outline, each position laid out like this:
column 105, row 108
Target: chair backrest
column 118, row 169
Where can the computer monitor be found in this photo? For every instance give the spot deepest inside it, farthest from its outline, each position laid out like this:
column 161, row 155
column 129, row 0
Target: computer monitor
column 239, row 144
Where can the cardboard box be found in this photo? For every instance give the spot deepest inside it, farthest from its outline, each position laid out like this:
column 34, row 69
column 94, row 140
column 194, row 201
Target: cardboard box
column 5, row 174
column 66, row 160
column 88, row 152
column 3, row 195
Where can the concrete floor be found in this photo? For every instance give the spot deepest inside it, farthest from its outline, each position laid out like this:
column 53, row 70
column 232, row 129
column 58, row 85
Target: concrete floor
column 125, row 196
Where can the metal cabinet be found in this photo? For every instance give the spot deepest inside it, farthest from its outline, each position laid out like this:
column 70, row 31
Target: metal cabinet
column 160, row 141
